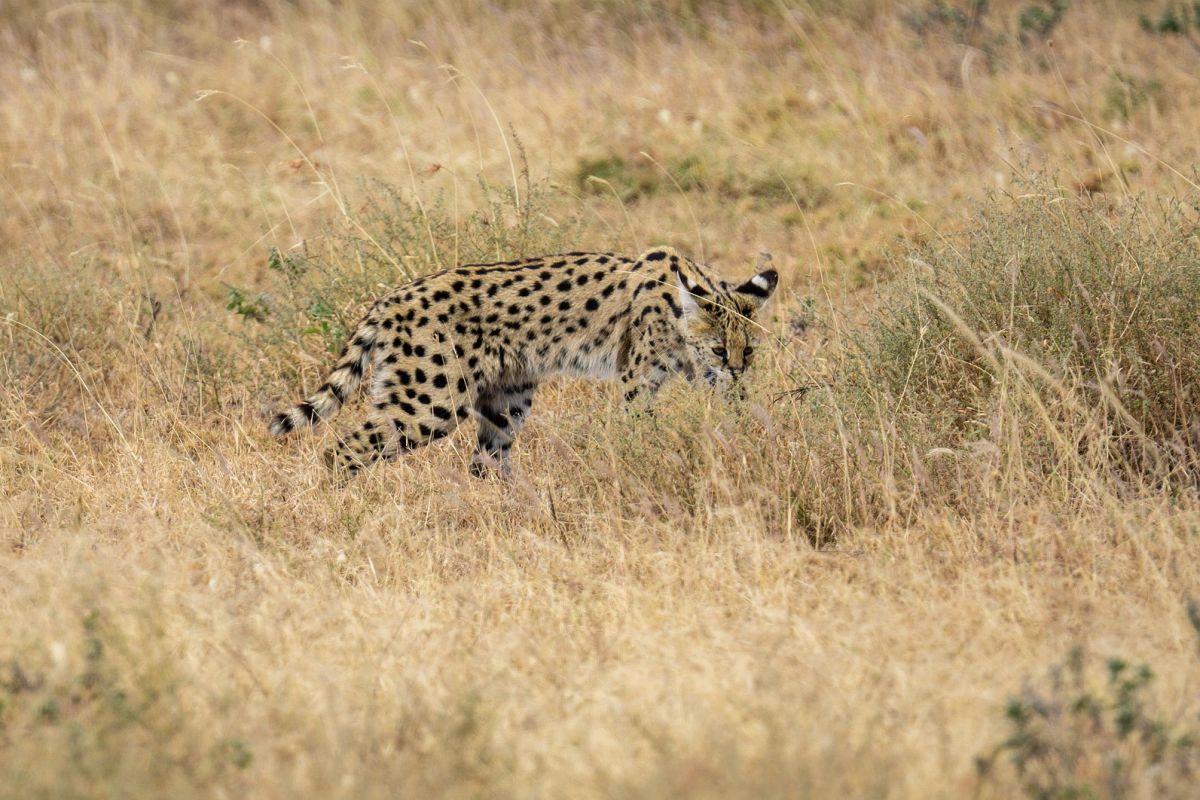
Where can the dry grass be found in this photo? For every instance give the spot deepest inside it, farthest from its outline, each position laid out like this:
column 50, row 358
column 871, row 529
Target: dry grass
column 829, row 592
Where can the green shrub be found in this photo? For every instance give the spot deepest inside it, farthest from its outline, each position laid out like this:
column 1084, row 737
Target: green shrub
column 109, row 714
column 636, row 179
column 939, row 17
column 1127, row 93
column 1038, row 20
column 612, row 173
column 1075, row 737
column 974, row 24
column 1174, row 19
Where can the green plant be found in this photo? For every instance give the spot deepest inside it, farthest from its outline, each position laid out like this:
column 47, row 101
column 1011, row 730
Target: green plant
column 1127, row 93
column 944, row 18
column 635, row 179
column 251, row 308
column 1175, row 19
column 1037, row 21
column 611, row 173
column 966, row 23
column 109, row 710
column 1076, row 739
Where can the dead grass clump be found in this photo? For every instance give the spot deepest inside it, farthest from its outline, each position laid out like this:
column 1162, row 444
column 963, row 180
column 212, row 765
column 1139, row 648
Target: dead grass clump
column 312, row 295
column 63, row 330
column 1062, row 326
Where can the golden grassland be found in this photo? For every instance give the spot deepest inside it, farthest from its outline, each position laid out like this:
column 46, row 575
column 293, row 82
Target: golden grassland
column 837, row 589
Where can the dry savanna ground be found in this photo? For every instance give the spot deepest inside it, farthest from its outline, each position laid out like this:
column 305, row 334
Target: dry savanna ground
column 946, row 548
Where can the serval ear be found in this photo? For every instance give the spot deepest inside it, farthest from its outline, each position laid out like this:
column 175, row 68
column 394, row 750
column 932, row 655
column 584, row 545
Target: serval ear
column 692, row 296
column 759, row 288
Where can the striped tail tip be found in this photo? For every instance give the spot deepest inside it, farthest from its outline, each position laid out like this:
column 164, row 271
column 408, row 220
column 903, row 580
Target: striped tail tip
column 281, row 424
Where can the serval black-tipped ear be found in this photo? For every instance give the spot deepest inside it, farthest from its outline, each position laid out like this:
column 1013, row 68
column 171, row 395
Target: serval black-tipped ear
column 760, row 287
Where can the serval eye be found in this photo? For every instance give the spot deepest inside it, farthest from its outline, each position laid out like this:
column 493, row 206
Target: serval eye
column 720, row 352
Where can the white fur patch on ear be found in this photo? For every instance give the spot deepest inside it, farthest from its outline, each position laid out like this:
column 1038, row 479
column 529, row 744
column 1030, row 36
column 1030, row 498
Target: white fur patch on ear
column 689, row 295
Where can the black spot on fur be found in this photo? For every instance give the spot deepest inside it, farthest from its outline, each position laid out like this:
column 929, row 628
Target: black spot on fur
column 675, row 309
column 497, row 419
